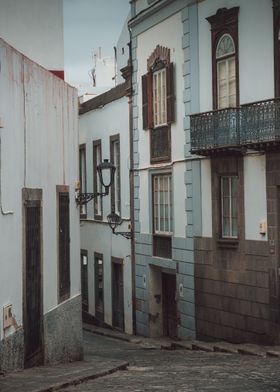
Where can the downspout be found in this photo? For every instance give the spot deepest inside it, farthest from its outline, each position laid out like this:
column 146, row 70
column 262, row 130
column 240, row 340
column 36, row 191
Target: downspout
column 131, row 182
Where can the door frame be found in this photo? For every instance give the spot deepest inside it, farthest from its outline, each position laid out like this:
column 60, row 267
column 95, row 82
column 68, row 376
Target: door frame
column 32, row 196
column 119, row 261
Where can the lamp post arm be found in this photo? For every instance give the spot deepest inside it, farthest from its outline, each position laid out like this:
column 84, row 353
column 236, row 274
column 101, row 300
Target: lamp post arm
column 84, row 198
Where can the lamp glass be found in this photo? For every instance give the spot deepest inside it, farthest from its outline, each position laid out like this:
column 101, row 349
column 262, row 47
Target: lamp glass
column 106, row 171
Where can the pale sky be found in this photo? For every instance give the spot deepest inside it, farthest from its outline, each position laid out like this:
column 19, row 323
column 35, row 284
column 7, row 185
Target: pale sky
column 89, row 24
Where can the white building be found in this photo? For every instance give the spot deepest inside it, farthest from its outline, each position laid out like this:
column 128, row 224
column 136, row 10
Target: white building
column 106, row 257
column 165, row 92
column 35, row 28
column 40, row 317
column 236, row 134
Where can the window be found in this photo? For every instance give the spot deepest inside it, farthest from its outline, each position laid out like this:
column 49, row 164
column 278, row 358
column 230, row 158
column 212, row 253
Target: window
column 226, row 75
column 84, row 279
column 97, row 186
column 116, row 187
column 225, row 70
column 162, row 215
column 64, row 245
column 159, row 97
column 82, row 171
column 99, row 289
column 229, row 206
column 276, row 24
column 158, row 103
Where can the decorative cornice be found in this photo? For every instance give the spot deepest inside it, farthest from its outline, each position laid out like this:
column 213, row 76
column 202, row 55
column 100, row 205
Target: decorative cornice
column 223, row 17
column 160, row 54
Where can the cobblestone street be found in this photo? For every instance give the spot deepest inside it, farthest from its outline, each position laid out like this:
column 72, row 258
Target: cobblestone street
column 179, row 370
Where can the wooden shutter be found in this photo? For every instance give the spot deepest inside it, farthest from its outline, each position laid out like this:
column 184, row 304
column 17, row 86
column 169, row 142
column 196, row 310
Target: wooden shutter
column 170, row 98
column 147, row 101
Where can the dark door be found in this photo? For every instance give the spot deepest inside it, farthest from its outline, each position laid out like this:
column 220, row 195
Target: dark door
column 33, row 319
column 99, row 282
column 84, row 279
column 64, row 247
column 169, row 305
column 117, row 295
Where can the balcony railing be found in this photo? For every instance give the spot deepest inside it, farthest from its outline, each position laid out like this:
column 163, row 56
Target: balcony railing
column 255, row 125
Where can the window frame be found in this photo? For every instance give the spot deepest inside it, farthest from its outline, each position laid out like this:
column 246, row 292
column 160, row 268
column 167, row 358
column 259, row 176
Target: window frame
column 83, row 187
column 225, row 21
column 99, row 309
column 230, row 197
column 161, row 237
column 225, row 58
column 158, row 62
column 97, row 186
column 117, row 180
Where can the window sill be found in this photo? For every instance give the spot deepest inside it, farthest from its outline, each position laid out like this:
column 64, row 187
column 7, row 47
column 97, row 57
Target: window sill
column 228, row 243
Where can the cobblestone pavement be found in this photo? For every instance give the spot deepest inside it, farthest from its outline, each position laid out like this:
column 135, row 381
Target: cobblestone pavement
column 179, row 370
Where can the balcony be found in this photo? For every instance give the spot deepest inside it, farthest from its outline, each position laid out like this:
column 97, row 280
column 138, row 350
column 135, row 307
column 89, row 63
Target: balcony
column 255, row 125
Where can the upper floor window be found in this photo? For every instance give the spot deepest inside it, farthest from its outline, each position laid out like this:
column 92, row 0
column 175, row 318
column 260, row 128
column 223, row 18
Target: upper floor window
column 226, row 72
column 97, row 186
column 158, row 103
column 159, row 97
column 276, row 28
column 116, row 186
column 82, row 170
column 225, row 69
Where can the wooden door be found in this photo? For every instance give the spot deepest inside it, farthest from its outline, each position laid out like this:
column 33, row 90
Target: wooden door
column 64, row 246
column 169, row 305
column 117, row 295
column 33, row 315
column 99, row 287
column 84, row 279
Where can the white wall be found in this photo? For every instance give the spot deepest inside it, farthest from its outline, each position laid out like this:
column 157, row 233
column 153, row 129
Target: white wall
column 254, row 196
column 122, row 50
column 255, row 29
column 44, row 125
column 35, row 28
column 168, row 34
column 101, row 123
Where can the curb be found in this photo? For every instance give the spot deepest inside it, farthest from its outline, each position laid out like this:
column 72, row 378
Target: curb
column 113, row 336
column 79, row 380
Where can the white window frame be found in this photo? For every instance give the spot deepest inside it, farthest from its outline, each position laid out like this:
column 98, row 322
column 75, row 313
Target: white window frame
column 230, row 216
column 117, row 182
column 162, row 206
column 159, row 98
column 226, row 59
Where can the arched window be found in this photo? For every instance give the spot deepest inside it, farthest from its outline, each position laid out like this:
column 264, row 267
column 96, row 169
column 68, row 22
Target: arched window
column 226, row 72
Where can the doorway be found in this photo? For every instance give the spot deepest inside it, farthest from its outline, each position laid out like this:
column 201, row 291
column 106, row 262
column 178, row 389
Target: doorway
column 169, row 305
column 84, row 279
column 117, row 293
column 33, row 304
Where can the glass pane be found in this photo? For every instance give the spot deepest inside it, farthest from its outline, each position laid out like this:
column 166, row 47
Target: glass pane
column 225, row 46
column 226, row 227
column 234, row 227
column 225, row 186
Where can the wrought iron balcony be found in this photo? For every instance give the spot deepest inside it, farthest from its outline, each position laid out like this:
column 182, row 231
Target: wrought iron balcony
column 260, row 124
column 254, row 125
column 215, row 131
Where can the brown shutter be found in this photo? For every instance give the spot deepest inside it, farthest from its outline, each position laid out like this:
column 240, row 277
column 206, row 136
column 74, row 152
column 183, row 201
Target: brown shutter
column 147, row 100
column 170, row 98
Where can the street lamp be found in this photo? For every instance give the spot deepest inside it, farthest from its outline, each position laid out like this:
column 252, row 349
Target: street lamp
column 106, row 171
column 114, row 221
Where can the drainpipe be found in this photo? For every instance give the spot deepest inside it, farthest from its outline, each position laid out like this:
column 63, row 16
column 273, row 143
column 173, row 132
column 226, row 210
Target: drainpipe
column 131, row 181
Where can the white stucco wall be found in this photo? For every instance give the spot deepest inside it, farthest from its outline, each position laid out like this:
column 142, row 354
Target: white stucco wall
column 206, row 198
column 255, row 29
column 168, row 33
column 255, row 196
column 102, row 123
column 39, row 118
column 35, row 28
